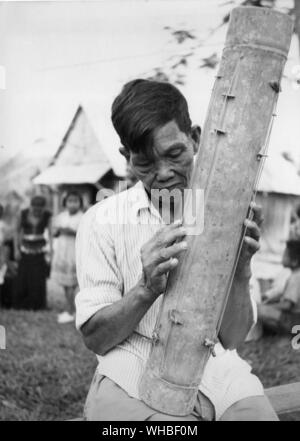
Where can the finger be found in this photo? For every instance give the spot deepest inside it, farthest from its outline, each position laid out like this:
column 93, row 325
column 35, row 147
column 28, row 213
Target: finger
column 172, row 251
column 257, row 213
column 169, row 236
column 166, row 228
column 251, row 244
column 165, row 267
column 252, row 229
column 176, row 224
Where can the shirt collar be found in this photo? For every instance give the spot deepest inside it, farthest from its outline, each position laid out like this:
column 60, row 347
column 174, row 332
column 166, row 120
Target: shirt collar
column 140, row 201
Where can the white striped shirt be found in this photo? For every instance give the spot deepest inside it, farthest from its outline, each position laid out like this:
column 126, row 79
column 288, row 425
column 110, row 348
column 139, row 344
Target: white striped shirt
column 109, row 265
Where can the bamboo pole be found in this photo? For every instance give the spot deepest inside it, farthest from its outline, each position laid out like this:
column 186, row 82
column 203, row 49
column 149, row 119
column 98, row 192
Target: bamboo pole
column 297, row 20
column 227, row 166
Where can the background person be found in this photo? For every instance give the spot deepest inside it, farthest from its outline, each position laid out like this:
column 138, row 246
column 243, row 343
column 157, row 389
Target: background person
column 281, row 308
column 8, row 286
column 30, row 250
column 3, row 266
column 64, row 266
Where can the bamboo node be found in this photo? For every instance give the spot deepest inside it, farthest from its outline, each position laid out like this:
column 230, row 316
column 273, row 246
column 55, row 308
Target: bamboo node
column 228, row 95
column 211, row 345
column 175, row 318
column 261, row 155
column 275, row 85
column 220, row 131
column 155, row 337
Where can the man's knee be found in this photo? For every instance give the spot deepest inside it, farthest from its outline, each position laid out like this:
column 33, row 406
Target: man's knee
column 250, row 409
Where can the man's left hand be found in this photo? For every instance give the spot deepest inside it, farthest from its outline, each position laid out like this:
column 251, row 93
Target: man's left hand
column 251, row 242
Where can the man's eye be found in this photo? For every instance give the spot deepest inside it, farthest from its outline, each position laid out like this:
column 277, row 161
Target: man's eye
column 175, row 154
column 143, row 164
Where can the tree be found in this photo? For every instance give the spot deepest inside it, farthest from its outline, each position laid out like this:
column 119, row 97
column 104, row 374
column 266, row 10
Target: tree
column 188, row 43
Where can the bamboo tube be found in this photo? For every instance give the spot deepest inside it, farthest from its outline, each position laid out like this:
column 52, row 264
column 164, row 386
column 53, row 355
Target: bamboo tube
column 227, row 166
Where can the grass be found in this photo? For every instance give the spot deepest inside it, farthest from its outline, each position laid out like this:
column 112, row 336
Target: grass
column 45, row 371
column 275, row 362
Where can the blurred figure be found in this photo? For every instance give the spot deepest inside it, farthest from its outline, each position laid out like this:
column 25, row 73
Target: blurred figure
column 8, row 286
column 3, row 266
column 294, row 233
column 30, row 250
column 64, row 266
column 281, row 308
column 8, row 268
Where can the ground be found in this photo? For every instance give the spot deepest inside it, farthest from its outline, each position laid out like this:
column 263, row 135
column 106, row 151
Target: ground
column 45, row 371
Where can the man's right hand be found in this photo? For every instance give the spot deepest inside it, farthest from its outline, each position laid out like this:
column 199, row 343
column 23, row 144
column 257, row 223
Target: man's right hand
column 159, row 257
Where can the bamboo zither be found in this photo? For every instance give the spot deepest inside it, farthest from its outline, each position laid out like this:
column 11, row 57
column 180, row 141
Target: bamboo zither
column 227, row 167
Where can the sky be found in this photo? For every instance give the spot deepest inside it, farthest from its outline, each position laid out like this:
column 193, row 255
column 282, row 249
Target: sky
column 58, row 55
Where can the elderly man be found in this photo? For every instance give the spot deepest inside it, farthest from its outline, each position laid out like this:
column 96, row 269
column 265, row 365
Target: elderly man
column 125, row 249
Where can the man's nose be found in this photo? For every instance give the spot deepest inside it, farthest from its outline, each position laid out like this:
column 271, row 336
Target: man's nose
column 164, row 172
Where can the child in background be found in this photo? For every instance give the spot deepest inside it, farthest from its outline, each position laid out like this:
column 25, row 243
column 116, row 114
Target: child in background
column 64, row 267
column 281, row 309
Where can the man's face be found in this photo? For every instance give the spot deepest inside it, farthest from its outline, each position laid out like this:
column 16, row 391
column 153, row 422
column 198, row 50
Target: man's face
column 168, row 163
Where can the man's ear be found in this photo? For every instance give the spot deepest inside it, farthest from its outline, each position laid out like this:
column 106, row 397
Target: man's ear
column 196, row 136
column 124, row 152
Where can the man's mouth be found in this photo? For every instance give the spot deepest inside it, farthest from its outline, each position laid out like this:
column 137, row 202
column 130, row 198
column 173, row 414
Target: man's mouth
column 170, row 187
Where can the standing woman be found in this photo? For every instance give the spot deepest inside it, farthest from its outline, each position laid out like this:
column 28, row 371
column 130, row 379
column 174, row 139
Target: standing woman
column 30, row 250
column 64, row 264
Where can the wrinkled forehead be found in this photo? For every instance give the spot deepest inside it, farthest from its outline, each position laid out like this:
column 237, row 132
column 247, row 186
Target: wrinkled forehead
column 163, row 140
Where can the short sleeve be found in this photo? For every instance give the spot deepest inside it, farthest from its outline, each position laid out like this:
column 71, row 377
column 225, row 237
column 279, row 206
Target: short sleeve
column 56, row 222
column 99, row 277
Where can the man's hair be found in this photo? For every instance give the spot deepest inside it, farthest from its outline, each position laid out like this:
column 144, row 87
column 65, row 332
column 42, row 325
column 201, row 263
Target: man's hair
column 145, row 105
